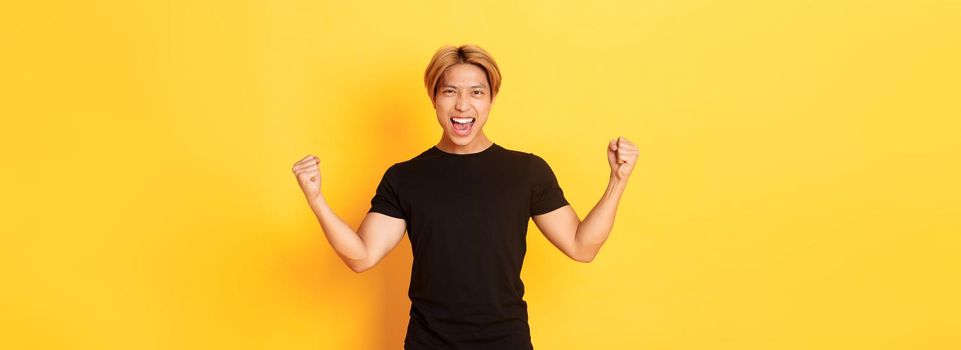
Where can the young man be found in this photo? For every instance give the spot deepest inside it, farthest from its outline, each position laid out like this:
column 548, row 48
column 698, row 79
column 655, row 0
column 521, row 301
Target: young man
column 465, row 204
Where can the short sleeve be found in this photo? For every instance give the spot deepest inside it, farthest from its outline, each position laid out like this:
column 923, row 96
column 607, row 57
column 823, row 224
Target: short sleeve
column 386, row 200
column 546, row 193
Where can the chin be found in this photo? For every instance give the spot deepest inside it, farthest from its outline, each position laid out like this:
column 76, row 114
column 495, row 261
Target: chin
column 461, row 141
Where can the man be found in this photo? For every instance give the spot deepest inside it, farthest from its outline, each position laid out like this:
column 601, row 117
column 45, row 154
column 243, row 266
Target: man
column 465, row 204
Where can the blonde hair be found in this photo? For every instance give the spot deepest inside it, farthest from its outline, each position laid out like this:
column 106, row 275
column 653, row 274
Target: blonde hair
column 448, row 55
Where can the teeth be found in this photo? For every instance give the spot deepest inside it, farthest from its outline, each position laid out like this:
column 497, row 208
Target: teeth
column 462, row 120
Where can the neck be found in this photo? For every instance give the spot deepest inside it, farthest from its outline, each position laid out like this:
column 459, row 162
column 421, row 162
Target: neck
column 478, row 144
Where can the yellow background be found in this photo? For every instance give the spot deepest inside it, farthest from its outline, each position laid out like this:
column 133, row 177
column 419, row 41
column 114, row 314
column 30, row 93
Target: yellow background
column 797, row 186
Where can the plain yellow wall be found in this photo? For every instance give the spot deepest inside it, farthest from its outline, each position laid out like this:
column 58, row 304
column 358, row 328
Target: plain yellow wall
column 797, row 186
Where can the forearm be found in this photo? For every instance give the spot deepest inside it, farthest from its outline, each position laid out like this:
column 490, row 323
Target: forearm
column 597, row 225
column 341, row 237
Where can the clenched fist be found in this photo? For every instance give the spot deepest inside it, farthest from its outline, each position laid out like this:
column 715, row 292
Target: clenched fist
column 621, row 154
column 307, row 171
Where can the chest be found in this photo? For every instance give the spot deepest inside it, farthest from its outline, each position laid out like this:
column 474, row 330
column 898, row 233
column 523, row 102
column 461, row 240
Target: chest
column 468, row 198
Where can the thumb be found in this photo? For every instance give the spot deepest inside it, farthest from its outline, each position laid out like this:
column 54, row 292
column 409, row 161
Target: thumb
column 612, row 145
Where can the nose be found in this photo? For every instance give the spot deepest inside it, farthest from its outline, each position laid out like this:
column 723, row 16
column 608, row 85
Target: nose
column 462, row 103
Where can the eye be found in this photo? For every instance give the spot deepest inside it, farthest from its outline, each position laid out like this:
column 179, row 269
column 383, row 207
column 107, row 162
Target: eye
column 478, row 92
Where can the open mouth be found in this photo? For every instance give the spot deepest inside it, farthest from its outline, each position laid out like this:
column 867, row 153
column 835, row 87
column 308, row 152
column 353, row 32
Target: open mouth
column 462, row 126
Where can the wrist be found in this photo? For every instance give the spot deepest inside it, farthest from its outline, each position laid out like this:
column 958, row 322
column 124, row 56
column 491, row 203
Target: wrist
column 317, row 201
column 615, row 187
column 614, row 178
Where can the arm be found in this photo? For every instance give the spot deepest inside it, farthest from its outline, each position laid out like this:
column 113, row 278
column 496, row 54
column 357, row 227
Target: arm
column 378, row 233
column 582, row 240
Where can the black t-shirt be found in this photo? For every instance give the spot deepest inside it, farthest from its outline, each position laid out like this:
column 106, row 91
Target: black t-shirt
column 467, row 218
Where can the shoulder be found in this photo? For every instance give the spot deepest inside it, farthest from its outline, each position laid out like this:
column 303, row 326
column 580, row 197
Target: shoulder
column 536, row 162
column 402, row 166
column 409, row 168
column 538, row 168
column 522, row 156
column 533, row 164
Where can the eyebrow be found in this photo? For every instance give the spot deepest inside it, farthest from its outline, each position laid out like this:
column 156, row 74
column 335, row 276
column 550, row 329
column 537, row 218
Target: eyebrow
column 475, row 86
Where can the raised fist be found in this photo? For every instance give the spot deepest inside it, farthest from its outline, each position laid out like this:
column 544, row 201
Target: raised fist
column 307, row 171
column 621, row 154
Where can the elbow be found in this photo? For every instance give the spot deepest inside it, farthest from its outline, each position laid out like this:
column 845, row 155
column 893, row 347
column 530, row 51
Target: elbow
column 583, row 258
column 357, row 268
column 357, row 265
column 584, row 254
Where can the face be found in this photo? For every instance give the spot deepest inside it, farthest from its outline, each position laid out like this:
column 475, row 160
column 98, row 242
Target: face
column 463, row 92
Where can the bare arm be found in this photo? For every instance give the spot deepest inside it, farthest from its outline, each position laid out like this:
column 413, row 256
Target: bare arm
column 378, row 233
column 582, row 240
